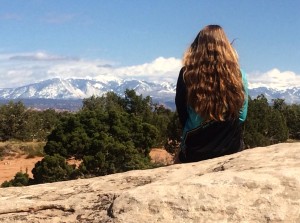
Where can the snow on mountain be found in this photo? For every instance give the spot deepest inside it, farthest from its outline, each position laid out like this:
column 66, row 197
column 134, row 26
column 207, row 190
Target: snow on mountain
column 290, row 95
column 163, row 92
column 81, row 88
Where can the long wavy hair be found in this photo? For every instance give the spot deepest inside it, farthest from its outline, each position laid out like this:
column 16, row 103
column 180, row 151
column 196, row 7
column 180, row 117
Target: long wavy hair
column 212, row 76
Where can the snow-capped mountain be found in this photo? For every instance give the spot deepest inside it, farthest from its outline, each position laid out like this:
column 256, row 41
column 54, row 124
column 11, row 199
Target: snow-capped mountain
column 290, row 95
column 83, row 88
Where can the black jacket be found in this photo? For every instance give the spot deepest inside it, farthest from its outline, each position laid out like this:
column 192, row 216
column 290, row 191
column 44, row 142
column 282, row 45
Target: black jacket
column 209, row 139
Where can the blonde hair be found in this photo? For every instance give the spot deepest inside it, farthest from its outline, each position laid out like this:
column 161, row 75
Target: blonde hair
column 212, row 76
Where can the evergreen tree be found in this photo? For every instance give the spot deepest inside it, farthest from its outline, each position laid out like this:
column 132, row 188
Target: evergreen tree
column 137, row 105
column 173, row 134
column 20, row 179
column 13, row 121
column 106, row 136
column 161, row 118
column 20, row 123
column 53, row 168
column 265, row 124
column 278, row 130
column 292, row 116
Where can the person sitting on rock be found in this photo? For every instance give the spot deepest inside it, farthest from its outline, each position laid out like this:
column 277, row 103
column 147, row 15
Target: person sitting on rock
column 211, row 98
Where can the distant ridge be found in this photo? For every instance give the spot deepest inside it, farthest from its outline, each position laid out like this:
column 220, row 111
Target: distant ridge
column 77, row 89
column 43, row 104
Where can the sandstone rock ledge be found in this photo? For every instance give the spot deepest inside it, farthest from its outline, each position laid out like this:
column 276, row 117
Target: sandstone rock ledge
column 257, row 185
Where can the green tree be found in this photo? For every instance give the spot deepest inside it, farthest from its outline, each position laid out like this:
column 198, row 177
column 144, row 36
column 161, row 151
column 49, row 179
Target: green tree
column 257, row 125
column 105, row 136
column 20, row 179
column 136, row 104
column 18, row 122
column 278, row 130
column 53, row 168
column 13, row 121
column 110, row 101
column 265, row 124
column 292, row 116
column 174, row 132
column 69, row 139
column 279, row 104
column 113, row 157
column 48, row 120
column 161, row 119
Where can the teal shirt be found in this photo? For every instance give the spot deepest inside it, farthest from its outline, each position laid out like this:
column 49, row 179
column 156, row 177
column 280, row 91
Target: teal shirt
column 244, row 109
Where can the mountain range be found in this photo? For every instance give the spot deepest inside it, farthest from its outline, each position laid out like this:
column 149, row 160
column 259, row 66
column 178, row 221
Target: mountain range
column 64, row 91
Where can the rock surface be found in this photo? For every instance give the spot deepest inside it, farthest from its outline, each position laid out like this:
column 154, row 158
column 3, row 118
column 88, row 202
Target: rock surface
column 257, row 185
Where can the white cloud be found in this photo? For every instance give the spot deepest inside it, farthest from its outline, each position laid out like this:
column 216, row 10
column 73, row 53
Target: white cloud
column 274, row 79
column 25, row 68
column 40, row 56
column 161, row 69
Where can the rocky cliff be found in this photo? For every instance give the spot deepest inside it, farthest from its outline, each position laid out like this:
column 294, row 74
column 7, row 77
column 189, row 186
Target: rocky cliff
column 257, row 185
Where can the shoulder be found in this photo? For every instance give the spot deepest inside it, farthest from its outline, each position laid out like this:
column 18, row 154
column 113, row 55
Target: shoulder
column 244, row 77
column 181, row 74
column 182, row 70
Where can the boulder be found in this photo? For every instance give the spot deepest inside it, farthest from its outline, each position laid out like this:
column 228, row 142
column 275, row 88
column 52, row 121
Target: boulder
column 255, row 185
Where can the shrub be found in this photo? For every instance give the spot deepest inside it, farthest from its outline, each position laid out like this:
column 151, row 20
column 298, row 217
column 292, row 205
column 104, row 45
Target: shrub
column 20, row 179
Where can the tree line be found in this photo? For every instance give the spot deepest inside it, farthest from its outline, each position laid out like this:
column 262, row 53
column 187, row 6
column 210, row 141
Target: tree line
column 21, row 123
column 112, row 134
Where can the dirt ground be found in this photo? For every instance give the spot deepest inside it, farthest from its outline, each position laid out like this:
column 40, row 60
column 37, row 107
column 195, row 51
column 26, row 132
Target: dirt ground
column 10, row 165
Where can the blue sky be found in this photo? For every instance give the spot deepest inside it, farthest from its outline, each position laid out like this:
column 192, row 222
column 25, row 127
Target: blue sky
column 42, row 38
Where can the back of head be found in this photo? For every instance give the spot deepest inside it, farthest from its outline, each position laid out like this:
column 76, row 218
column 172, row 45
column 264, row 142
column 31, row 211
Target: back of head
column 212, row 75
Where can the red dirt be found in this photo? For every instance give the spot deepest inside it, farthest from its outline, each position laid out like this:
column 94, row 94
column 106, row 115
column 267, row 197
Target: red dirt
column 9, row 166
